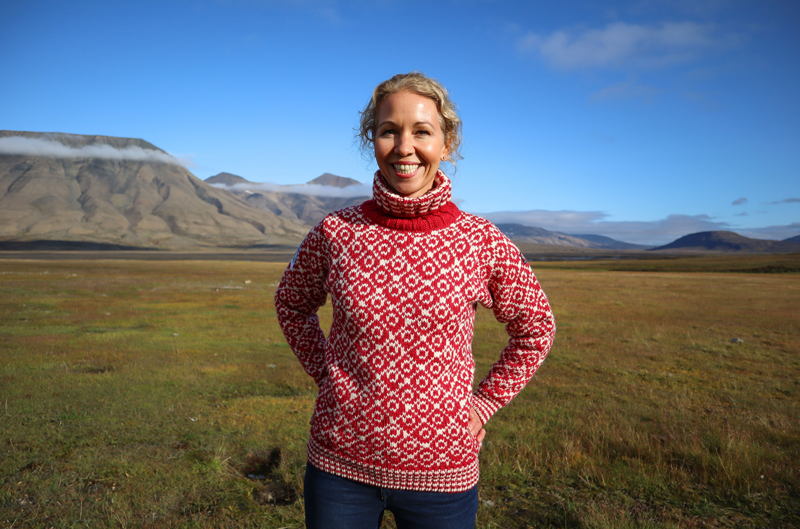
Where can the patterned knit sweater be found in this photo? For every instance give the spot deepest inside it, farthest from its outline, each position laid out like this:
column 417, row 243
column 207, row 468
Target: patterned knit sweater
column 395, row 373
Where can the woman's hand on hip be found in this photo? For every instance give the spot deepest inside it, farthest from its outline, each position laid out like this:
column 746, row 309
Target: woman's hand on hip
column 476, row 427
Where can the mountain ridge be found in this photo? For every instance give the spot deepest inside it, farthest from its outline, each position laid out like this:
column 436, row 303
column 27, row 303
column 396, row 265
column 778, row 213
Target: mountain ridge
column 107, row 197
column 289, row 203
column 126, row 192
column 82, row 140
column 727, row 241
column 530, row 234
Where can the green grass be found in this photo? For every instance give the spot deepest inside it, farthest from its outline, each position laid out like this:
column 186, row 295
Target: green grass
column 141, row 394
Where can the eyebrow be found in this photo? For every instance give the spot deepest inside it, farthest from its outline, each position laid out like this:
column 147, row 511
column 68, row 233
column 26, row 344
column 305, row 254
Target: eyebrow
column 390, row 122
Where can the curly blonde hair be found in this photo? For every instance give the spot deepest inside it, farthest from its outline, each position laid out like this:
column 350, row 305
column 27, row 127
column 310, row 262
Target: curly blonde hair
column 418, row 83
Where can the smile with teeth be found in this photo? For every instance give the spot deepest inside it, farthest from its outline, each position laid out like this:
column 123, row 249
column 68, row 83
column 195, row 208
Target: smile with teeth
column 405, row 168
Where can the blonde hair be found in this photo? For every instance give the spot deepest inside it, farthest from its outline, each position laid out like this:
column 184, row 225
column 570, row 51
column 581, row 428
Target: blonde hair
column 418, row 83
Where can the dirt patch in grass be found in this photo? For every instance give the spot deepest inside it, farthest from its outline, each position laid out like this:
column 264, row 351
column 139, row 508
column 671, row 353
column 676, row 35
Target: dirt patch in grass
column 271, row 487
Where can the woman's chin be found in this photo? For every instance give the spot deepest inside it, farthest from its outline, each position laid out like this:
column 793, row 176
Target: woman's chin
column 412, row 187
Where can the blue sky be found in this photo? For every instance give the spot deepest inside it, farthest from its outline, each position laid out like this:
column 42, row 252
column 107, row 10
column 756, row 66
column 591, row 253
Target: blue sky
column 641, row 120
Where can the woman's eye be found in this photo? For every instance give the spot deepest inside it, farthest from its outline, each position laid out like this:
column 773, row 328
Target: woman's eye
column 387, row 132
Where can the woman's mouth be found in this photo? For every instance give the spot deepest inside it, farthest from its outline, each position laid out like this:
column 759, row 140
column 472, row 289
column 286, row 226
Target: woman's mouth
column 405, row 169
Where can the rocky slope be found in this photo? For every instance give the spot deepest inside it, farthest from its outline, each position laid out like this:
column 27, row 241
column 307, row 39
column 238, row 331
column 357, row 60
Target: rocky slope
column 123, row 191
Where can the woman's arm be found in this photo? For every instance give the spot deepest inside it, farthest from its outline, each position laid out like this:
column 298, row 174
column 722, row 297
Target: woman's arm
column 300, row 294
column 519, row 302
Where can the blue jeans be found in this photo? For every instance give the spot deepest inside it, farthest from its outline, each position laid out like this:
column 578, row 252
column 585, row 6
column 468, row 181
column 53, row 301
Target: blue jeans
column 333, row 502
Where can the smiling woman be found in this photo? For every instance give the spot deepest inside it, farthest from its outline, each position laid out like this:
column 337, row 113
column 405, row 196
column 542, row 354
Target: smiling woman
column 417, row 84
column 409, row 143
column 397, row 425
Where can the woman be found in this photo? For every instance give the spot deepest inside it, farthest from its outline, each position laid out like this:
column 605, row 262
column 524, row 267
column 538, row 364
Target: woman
column 396, row 424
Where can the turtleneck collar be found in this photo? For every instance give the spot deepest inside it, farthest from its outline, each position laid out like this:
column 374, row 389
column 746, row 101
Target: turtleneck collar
column 400, row 206
column 431, row 211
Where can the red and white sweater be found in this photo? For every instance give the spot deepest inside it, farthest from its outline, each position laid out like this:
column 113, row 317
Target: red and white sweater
column 395, row 374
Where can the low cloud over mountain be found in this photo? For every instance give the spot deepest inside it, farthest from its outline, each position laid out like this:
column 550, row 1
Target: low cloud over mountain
column 48, row 146
column 315, row 190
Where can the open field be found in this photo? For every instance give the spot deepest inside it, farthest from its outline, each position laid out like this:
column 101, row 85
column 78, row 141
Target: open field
column 162, row 394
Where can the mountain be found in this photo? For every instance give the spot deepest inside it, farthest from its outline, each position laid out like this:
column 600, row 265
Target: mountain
column 609, row 243
column 796, row 238
column 529, row 234
column 521, row 233
column 291, row 204
column 120, row 191
column 226, row 179
column 327, row 179
column 728, row 241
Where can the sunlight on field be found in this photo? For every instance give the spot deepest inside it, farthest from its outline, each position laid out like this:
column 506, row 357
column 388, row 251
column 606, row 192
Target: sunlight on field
column 161, row 394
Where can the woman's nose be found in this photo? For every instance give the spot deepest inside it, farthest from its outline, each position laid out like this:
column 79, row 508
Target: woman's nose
column 405, row 145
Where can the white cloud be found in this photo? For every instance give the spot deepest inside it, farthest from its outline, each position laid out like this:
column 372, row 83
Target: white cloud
column 18, row 145
column 361, row 190
column 653, row 233
column 622, row 44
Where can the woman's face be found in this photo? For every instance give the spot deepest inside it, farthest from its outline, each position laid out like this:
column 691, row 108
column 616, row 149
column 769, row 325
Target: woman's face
column 409, row 143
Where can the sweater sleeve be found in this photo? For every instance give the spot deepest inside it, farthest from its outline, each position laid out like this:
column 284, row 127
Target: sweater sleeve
column 519, row 302
column 300, row 294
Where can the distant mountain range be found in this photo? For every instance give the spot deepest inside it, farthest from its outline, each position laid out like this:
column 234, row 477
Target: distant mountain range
column 291, row 204
column 70, row 191
column 728, row 241
column 529, row 234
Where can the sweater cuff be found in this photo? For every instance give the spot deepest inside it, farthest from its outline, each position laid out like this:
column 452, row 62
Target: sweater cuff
column 484, row 406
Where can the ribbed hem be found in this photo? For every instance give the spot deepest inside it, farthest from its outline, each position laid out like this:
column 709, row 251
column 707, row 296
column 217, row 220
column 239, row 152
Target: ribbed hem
column 448, row 480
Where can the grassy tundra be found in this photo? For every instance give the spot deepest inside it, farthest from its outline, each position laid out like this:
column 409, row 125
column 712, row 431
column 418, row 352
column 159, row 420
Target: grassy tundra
column 162, row 394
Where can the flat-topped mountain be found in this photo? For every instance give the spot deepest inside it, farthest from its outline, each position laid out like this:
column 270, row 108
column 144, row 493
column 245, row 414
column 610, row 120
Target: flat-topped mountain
column 73, row 141
column 728, row 241
column 120, row 191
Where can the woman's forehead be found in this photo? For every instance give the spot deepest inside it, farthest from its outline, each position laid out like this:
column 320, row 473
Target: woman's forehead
column 408, row 106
